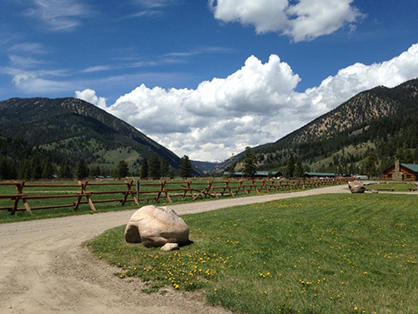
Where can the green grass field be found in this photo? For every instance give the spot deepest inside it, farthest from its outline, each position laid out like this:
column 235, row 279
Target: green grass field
column 323, row 254
column 396, row 186
column 101, row 207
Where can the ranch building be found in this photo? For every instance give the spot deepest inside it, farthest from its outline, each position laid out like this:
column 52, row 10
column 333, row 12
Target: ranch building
column 320, row 175
column 258, row 174
column 401, row 172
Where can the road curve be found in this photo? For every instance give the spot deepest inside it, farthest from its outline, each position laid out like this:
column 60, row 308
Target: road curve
column 43, row 268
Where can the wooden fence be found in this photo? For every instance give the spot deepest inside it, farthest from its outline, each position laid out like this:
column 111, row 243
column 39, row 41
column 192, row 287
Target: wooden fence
column 136, row 191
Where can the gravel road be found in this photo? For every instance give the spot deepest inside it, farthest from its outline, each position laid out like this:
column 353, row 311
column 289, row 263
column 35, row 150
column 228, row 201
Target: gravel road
column 43, row 268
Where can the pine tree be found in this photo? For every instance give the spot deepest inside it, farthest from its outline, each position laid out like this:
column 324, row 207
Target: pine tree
column 231, row 168
column 185, row 167
column 82, row 171
column 36, row 168
column 290, row 168
column 249, row 163
column 154, row 167
column 123, row 169
column 299, row 169
column 165, row 168
column 4, row 168
column 144, row 169
column 96, row 171
column 65, row 171
column 172, row 174
column 370, row 164
column 47, row 169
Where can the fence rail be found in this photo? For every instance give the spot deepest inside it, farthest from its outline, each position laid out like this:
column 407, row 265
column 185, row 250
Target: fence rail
column 136, row 191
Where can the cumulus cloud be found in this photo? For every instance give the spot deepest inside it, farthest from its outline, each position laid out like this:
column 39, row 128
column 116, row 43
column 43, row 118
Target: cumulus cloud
column 90, row 96
column 256, row 104
column 305, row 20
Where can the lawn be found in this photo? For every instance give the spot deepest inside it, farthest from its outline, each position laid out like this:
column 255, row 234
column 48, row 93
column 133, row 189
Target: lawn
column 323, row 254
column 395, row 186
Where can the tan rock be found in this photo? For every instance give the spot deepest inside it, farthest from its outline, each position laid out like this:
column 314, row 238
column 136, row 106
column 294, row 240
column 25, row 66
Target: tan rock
column 156, row 226
column 356, row 187
column 168, row 247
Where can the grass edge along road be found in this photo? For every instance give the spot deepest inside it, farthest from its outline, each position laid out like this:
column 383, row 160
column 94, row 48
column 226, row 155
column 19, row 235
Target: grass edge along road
column 338, row 253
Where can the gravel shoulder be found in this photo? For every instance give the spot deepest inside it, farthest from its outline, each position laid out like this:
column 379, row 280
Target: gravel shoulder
column 44, row 269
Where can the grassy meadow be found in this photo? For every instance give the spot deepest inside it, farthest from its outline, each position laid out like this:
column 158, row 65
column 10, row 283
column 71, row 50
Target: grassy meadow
column 348, row 253
column 395, row 186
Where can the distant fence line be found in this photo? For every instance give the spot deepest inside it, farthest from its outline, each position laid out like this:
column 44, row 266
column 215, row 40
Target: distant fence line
column 137, row 191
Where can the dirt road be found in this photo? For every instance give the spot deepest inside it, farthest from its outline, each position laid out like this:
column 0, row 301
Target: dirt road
column 44, row 270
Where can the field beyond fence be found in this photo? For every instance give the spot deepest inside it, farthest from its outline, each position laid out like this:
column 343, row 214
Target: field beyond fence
column 29, row 196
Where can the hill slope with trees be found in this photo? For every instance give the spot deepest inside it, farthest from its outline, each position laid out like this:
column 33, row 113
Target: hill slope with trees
column 381, row 121
column 68, row 130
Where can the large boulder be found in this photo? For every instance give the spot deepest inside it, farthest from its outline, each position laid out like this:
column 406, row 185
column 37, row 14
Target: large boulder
column 156, row 226
column 356, row 187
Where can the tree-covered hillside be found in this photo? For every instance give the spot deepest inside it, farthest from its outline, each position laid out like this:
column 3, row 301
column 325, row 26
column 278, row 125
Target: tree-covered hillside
column 382, row 120
column 68, row 129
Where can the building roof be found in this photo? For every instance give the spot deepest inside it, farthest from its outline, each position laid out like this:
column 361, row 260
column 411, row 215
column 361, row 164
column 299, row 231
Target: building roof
column 257, row 173
column 320, row 174
column 411, row 167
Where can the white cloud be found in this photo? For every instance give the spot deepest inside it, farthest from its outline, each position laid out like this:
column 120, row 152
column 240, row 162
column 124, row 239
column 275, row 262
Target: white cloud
column 90, row 96
column 59, row 15
column 29, row 48
column 24, row 62
column 256, row 104
column 156, row 3
column 304, row 20
column 98, row 68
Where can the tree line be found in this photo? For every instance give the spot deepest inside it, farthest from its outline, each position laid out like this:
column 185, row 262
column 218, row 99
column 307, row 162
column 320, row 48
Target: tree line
column 36, row 168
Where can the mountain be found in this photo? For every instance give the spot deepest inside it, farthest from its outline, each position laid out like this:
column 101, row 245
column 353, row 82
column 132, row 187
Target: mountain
column 382, row 119
column 70, row 129
column 204, row 166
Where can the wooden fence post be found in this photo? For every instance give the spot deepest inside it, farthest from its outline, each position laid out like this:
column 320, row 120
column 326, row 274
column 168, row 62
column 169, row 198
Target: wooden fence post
column 138, row 188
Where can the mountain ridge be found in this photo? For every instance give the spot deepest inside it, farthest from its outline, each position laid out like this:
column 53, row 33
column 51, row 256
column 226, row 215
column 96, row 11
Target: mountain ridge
column 369, row 119
column 52, row 125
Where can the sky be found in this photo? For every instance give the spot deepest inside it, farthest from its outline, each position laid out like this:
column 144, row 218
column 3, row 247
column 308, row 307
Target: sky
column 207, row 78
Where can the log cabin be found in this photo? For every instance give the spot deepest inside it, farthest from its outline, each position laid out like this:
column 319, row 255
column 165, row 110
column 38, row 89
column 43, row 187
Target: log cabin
column 401, row 172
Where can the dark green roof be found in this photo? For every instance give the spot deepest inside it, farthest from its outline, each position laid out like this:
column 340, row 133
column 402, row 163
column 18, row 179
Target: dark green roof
column 320, row 174
column 411, row 167
column 257, row 173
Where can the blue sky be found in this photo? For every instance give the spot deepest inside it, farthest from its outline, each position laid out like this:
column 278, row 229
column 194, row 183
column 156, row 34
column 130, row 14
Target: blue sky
column 198, row 76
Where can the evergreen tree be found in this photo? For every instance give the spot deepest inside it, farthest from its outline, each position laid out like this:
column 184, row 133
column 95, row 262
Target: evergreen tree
column 185, row 167
column 123, row 169
column 65, row 171
column 82, row 171
column 231, row 168
column 47, row 169
column 290, row 168
column 154, row 167
column 172, row 174
column 165, row 168
column 370, row 164
column 23, row 170
column 36, row 168
column 4, row 168
column 249, row 163
column 400, row 155
column 144, row 169
column 96, row 171
column 299, row 169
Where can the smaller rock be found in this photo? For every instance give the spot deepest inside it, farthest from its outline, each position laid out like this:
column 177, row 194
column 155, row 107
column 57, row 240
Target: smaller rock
column 375, row 191
column 168, row 247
